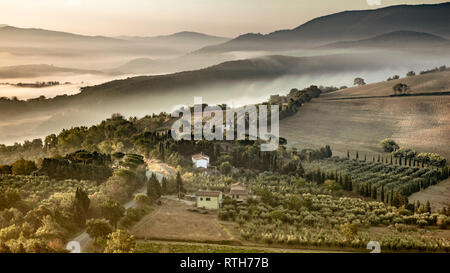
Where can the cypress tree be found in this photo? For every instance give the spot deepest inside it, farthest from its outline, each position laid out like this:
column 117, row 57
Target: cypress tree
column 81, row 206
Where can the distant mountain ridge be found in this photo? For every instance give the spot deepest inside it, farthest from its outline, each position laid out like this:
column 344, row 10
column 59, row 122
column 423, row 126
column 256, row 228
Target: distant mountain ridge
column 34, row 70
column 13, row 38
column 181, row 34
column 10, row 34
column 347, row 25
column 400, row 39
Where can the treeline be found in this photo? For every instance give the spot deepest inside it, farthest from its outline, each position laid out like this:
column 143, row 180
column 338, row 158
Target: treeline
column 407, row 156
column 64, row 169
column 111, row 135
column 391, row 184
column 290, row 103
column 436, row 69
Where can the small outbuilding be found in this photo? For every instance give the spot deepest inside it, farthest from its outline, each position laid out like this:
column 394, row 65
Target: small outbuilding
column 200, row 161
column 209, row 199
column 239, row 191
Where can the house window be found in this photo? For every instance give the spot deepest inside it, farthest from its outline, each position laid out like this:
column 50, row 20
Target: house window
column 208, row 199
column 201, row 198
column 237, row 196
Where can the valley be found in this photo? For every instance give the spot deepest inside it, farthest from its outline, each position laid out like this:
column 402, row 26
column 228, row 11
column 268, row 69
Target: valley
column 361, row 158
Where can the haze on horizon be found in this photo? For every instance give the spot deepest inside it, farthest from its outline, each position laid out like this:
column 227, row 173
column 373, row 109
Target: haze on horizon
column 228, row 18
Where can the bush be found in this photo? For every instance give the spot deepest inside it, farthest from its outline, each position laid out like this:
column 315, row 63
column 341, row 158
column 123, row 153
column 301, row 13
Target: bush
column 142, row 199
column 348, row 230
column 23, row 167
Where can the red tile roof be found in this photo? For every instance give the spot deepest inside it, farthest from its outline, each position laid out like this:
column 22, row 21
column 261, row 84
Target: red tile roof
column 208, row 193
column 200, row 156
column 238, row 192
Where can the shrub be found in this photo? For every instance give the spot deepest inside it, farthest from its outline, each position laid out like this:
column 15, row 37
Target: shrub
column 348, row 230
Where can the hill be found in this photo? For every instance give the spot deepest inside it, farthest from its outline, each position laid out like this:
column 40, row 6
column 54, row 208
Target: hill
column 261, row 68
column 347, row 25
column 185, row 36
column 358, row 118
column 395, row 39
column 25, row 71
column 13, row 35
column 33, row 41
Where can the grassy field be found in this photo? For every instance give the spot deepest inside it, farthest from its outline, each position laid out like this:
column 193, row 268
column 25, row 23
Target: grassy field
column 346, row 121
column 173, row 221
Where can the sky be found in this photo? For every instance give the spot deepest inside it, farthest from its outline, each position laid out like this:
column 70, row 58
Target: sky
column 227, row 18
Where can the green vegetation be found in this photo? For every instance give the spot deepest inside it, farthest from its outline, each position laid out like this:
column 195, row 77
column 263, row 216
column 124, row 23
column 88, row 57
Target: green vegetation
column 39, row 214
column 379, row 180
column 359, row 81
column 389, row 145
column 322, row 220
column 400, row 88
column 120, row 241
column 153, row 247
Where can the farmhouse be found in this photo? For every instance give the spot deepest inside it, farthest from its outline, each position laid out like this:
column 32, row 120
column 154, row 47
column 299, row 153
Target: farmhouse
column 209, row 199
column 200, row 160
column 239, row 192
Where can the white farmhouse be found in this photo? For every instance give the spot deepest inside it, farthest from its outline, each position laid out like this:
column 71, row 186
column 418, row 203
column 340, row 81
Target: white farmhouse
column 200, row 160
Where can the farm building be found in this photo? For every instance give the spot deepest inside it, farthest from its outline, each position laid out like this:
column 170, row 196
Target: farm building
column 209, row 199
column 239, row 192
column 200, row 160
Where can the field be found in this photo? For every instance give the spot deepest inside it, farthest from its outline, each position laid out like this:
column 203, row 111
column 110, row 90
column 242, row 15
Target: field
column 173, row 221
column 176, row 247
column 438, row 195
column 346, row 120
column 382, row 181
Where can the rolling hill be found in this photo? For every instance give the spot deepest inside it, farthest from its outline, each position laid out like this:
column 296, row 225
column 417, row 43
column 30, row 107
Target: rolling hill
column 33, row 41
column 30, row 71
column 188, row 37
column 358, row 118
column 347, row 25
column 395, row 39
column 261, row 68
column 14, row 35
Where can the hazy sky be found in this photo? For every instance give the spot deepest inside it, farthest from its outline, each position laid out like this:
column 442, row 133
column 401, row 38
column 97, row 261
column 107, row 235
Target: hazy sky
column 153, row 17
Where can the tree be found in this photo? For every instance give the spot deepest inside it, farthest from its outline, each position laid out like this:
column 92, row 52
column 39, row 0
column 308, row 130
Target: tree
column 5, row 169
column 120, row 241
column 81, row 206
column 225, row 168
column 142, row 200
column 359, row 81
column 410, row 74
column 428, row 207
column 164, row 185
column 50, row 229
column 389, row 145
column 23, row 167
column 153, row 188
column 400, row 88
column 113, row 211
column 98, row 228
column 179, row 184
